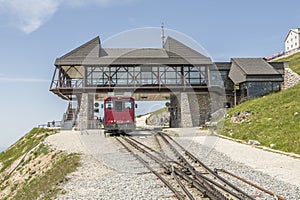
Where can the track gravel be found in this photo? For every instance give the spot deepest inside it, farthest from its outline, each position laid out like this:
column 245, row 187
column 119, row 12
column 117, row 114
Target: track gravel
column 109, row 172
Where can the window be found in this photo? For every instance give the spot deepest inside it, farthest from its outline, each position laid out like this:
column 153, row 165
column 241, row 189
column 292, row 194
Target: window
column 109, row 105
column 128, row 104
column 119, row 106
column 256, row 89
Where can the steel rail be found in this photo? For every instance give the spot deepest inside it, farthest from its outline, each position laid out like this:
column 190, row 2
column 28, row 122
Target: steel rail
column 190, row 180
column 203, row 187
column 189, row 195
column 160, row 162
column 157, row 141
column 241, row 194
column 178, row 195
column 196, row 160
column 213, row 192
column 167, row 160
column 250, row 183
column 162, row 155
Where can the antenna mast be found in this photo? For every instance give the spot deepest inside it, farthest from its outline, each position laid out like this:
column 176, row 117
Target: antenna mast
column 162, row 35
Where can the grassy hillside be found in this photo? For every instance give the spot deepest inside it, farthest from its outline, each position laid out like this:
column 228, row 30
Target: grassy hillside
column 294, row 62
column 159, row 117
column 273, row 120
column 30, row 169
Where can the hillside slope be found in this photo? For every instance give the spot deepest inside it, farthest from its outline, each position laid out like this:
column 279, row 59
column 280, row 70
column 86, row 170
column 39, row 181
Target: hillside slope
column 159, row 117
column 273, row 120
column 30, row 169
column 294, row 62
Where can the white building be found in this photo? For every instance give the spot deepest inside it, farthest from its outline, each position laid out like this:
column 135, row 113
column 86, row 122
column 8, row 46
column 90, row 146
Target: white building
column 292, row 40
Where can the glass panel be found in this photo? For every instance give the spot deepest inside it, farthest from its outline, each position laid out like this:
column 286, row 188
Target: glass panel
column 194, row 81
column 276, row 86
column 194, row 74
column 130, row 69
column 128, row 104
column 171, row 75
column 215, row 78
column 119, row 106
column 256, row 89
column 109, row 105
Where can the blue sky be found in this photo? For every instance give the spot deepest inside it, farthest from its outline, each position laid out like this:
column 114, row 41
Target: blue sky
column 33, row 33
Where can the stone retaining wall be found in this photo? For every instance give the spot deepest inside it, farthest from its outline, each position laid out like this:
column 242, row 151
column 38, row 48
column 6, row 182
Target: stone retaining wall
column 290, row 78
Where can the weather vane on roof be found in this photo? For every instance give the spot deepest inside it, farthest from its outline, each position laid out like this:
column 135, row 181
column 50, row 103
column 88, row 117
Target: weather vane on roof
column 162, row 34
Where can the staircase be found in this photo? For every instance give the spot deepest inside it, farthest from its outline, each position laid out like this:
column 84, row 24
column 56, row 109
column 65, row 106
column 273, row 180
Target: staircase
column 70, row 115
column 69, row 118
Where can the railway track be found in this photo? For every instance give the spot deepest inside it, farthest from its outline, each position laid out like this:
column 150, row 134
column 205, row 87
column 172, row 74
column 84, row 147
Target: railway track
column 185, row 175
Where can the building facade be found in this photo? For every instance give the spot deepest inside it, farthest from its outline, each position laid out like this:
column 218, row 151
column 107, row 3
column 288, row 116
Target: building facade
column 292, row 40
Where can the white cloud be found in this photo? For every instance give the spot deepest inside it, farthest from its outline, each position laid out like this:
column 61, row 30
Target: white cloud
column 29, row 15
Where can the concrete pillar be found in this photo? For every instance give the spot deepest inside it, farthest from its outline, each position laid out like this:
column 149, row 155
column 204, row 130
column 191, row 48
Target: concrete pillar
column 86, row 112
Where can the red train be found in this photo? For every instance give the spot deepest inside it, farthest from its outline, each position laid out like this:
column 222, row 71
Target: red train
column 119, row 114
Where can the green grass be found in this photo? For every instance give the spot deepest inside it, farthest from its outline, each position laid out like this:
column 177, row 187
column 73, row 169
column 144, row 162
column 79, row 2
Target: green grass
column 274, row 119
column 46, row 186
column 294, row 62
column 27, row 142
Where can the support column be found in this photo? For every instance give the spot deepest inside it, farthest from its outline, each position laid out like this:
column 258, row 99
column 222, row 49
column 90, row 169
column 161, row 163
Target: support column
column 186, row 117
column 190, row 109
column 86, row 112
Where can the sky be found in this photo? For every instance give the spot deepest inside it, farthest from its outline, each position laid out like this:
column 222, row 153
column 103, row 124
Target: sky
column 34, row 33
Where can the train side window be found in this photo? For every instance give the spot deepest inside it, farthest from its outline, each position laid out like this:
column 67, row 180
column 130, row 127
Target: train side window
column 128, row 104
column 109, row 105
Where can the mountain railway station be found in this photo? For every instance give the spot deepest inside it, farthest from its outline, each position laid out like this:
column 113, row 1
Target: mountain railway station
column 196, row 86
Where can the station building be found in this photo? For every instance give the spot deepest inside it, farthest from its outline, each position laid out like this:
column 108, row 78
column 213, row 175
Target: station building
column 196, row 87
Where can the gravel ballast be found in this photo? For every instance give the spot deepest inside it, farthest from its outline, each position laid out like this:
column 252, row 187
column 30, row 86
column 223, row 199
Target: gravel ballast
column 215, row 159
column 109, row 172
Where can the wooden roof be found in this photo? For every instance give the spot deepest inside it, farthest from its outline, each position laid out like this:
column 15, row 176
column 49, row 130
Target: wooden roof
column 252, row 69
column 91, row 53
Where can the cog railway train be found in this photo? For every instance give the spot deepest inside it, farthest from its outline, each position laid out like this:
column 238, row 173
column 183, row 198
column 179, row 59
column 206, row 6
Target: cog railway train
column 119, row 114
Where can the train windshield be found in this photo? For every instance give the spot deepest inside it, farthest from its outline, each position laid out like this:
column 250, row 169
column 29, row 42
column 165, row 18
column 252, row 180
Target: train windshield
column 119, row 106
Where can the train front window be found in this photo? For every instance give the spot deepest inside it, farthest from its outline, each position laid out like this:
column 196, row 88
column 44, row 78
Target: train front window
column 128, row 104
column 119, row 106
column 109, row 105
